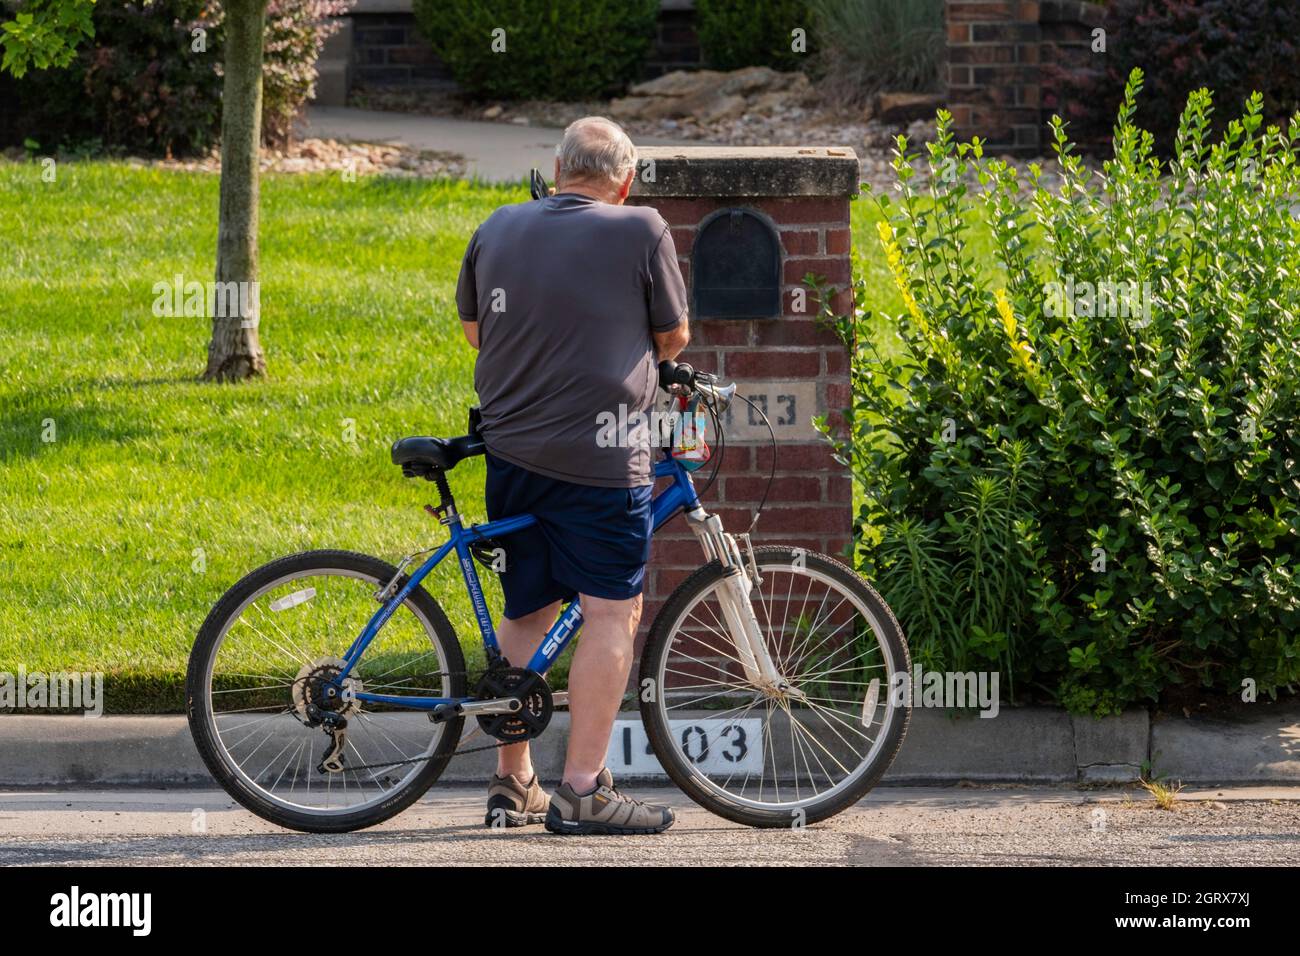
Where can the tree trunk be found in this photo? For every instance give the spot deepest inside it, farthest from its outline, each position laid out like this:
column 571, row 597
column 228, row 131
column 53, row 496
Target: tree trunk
column 235, row 351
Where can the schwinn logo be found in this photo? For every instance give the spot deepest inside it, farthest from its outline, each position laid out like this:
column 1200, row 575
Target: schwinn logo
column 76, row 909
column 475, row 592
column 554, row 643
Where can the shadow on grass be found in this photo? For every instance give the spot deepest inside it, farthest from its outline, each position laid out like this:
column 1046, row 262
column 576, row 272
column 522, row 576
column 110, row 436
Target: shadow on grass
column 46, row 428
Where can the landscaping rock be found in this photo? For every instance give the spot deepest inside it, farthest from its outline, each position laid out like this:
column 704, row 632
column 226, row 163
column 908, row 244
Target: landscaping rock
column 754, row 79
column 921, row 131
column 707, row 96
column 677, row 83
column 641, row 108
column 711, row 106
column 327, row 155
column 905, row 107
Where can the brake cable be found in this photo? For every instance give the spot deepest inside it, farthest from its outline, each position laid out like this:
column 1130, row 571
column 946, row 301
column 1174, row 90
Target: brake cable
column 722, row 443
column 771, row 475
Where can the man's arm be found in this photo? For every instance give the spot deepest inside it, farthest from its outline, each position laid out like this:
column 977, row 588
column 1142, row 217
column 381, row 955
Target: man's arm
column 669, row 345
column 467, row 294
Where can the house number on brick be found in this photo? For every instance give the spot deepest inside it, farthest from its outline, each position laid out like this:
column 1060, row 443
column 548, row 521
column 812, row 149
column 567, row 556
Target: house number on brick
column 789, row 406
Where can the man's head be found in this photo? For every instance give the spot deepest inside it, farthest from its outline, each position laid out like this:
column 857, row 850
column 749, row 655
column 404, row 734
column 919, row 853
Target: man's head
column 595, row 158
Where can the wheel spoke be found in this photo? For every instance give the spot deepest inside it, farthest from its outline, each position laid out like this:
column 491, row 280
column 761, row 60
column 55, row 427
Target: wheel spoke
column 279, row 660
column 837, row 638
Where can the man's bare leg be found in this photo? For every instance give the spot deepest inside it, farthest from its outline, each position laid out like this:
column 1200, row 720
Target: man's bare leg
column 597, row 679
column 518, row 639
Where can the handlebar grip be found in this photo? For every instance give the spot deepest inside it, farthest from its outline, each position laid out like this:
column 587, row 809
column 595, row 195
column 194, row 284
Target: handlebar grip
column 674, row 373
column 537, row 185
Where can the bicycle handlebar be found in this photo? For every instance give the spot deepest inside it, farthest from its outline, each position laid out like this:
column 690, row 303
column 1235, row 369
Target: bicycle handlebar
column 676, row 373
column 684, row 376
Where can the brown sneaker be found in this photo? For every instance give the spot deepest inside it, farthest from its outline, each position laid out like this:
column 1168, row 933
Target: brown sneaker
column 603, row 811
column 514, row 804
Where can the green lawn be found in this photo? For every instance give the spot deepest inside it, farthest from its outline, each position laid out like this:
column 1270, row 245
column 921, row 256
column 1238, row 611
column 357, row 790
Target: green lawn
column 157, row 492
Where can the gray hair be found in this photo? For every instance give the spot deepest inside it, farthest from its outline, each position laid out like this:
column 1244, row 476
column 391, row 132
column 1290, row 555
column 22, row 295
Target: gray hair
column 596, row 148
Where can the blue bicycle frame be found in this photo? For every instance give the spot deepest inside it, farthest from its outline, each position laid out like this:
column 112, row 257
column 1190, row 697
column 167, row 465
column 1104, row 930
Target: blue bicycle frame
column 678, row 496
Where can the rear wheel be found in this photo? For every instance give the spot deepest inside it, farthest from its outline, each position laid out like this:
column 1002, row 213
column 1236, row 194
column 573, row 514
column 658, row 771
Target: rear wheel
column 776, row 759
column 270, row 651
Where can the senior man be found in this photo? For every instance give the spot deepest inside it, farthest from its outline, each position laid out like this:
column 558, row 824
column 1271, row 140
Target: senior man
column 572, row 301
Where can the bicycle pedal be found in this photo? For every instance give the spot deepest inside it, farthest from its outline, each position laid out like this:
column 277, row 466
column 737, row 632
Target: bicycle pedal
column 442, row 712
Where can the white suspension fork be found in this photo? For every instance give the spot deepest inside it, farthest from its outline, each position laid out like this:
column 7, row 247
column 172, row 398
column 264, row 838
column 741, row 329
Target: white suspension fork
column 733, row 596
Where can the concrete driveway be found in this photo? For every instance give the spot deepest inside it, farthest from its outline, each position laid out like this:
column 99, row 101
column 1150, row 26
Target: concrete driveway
column 496, row 152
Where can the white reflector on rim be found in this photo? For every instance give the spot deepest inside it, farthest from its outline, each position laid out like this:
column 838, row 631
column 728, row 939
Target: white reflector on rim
column 869, row 703
column 293, row 600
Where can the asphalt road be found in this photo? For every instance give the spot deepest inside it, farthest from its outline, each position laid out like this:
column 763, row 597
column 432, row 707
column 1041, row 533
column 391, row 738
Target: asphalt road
column 898, row 826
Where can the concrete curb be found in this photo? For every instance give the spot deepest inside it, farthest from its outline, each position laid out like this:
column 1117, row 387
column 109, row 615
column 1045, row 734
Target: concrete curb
column 1021, row 745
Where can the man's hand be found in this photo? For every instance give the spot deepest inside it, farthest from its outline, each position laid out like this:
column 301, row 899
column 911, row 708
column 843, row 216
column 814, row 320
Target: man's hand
column 471, row 332
column 669, row 345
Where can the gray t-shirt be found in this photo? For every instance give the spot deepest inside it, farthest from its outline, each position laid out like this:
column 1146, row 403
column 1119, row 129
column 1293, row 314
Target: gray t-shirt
column 566, row 292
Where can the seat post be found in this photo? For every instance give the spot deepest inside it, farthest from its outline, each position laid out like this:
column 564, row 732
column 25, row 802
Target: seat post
column 446, row 503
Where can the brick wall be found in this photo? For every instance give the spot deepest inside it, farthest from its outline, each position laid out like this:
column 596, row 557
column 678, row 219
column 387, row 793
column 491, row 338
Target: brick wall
column 998, row 54
column 676, row 45
column 805, row 194
column 993, row 82
column 1066, row 51
column 388, row 50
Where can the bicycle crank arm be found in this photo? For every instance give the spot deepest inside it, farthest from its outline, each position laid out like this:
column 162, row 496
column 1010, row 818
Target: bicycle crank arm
column 497, row 705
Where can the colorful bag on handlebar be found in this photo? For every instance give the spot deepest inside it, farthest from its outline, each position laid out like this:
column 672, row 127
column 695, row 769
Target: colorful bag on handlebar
column 689, row 446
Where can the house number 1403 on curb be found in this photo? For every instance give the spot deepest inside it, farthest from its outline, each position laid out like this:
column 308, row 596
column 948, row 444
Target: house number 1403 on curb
column 714, row 745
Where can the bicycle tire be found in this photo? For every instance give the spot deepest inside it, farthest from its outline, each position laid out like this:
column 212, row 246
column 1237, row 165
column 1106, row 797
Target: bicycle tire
column 660, row 733
column 198, row 699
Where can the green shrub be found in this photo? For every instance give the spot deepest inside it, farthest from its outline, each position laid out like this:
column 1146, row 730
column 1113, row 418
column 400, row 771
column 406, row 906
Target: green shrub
column 553, row 49
column 1230, row 46
column 739, row 33
column 141, row 86
column 865, row 46
column 136, row 86
column 1100, row 494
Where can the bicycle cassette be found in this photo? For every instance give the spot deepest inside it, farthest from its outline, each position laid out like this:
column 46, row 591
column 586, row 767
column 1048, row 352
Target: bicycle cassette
column 530, row 688
column 316, row 695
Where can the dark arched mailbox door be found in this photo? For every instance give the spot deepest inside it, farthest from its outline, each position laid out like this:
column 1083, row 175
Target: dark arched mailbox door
column 736, row 267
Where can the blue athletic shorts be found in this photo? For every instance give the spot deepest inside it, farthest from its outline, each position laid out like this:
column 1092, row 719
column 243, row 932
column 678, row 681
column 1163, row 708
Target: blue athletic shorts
column 587, row 540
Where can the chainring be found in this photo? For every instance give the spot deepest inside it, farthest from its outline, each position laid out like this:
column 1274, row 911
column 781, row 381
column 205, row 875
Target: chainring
column 532, row 691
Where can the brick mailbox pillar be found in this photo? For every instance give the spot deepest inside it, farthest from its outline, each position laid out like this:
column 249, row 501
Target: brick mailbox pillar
column 749, row 224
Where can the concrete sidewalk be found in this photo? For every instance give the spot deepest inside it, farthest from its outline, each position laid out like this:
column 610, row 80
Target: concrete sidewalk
column 1033, row 745
column 496, row 152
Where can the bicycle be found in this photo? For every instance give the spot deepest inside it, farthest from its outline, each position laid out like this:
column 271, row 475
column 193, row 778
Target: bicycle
column 727, row 695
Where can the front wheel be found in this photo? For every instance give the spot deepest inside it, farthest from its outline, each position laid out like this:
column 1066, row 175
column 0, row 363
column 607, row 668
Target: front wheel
column 265, row 665
column 776, row 758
